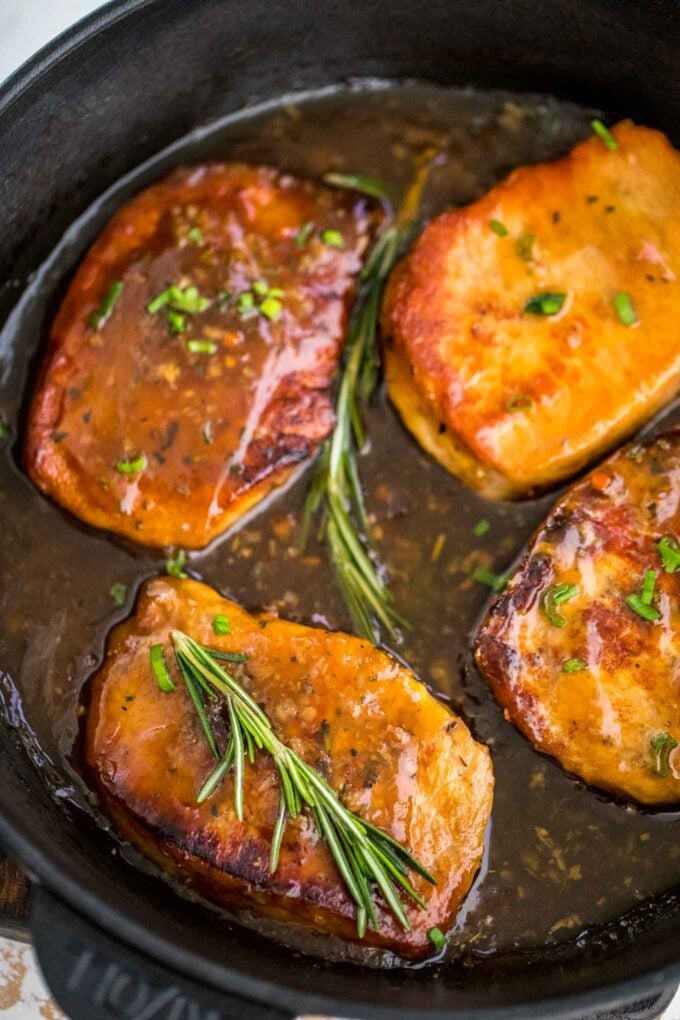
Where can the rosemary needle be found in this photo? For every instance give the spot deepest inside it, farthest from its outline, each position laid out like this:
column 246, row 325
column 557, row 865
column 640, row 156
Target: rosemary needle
column 365, row 855
column 335, row 490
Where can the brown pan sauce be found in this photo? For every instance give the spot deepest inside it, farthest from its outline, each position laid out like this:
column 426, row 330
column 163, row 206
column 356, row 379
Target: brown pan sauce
column 561, row 858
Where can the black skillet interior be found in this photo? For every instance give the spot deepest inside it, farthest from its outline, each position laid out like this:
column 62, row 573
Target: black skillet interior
column 121, row 87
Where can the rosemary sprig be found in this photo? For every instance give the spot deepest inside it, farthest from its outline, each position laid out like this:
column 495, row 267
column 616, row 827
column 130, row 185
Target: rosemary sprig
column 335, row 490
column 364, row 855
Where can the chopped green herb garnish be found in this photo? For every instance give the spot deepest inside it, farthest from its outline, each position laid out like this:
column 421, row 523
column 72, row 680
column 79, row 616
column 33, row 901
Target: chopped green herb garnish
column 118, row 592
column 545, row 304
column 188, row 300
column 553, row 597
column 174, row 565
column 624, row 309
column 221, row 624
column 99, row 317
column 662, row 744
column 604, row 133
column 160, row 670
column 642, row 603
column 669, row 551
column 208, row 432
column 366, row 185
column 564, row 592
column 520, row 403
column 195, row 235
column 5, row 430
column 573, row 665
column 648, row 586
column 246, row 301
column 304, row 233
column 158, row 302
column 647, row 612
column 201, row 346
column 525, row 247
column 333, row 238
column 496, row 582
column 481, row 528
column 271, row 307
column 180, row 299
column 131, row 465
column 436, row 938
column 223, row 297
column 498, row 228
column 176, row 321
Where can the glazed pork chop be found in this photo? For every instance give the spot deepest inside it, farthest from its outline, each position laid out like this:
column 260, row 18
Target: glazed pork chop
column 397, row 758
column 189, row 366
column 583, row 649
column 533, row 329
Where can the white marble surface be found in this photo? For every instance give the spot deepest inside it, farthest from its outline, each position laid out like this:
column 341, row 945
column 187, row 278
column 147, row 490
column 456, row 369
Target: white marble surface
column 25, row 26
column 23, row 995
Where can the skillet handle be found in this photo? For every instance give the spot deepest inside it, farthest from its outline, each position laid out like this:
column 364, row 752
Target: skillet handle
column 93, row 977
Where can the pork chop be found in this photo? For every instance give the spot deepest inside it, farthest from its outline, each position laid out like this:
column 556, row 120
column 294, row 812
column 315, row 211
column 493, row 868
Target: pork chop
column 189, row 367
column 396, row 756
column 583, row 650
column 532, row 330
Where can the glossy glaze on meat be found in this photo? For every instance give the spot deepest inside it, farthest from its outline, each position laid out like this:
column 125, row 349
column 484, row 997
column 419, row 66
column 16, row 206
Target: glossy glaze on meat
column 597, row 691
column 513, row 401
column 398, row 758
column 215, row 429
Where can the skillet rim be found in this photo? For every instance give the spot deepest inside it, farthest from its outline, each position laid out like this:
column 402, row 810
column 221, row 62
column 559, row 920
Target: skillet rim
column 76, row 891
column 59, row 874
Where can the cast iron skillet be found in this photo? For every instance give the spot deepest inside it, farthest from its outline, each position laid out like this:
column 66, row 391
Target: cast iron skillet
column 108, row 94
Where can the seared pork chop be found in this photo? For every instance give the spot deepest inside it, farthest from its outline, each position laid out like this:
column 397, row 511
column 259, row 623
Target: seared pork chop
column 533, row 329
column 397, row 758
column 583, row 650
column 189, row 366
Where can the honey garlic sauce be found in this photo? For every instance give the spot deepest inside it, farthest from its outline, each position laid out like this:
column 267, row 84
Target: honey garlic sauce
column 560, row 857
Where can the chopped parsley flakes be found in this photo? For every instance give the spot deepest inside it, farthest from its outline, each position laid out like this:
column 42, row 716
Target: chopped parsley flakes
column 118, row 593
column 131, row 465
column 625, row 310
column 174, row 565
column 669, row 551
column 553, row 597
column 573, row 665
column 641, row 603
column 662, row 744
column 604, row 133
column 333, row 238
column 101, row 314
column 545, row 304
column 179, row 299
column 201, row 346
